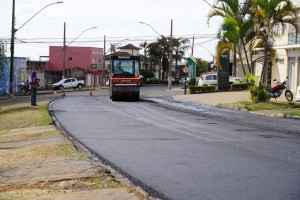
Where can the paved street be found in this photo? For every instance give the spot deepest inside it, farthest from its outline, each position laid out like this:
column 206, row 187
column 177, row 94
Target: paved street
column 184, row 151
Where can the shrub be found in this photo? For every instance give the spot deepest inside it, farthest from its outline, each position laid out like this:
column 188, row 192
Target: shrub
column 250, row 80
column 199, row 89
column 192, row 81
column 239, row 86
column 259, row 94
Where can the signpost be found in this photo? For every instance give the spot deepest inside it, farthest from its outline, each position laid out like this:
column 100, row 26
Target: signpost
column 185, row 71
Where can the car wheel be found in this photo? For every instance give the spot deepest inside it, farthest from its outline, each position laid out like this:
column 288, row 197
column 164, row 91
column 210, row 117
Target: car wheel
column 79, row 86
column 61, row 87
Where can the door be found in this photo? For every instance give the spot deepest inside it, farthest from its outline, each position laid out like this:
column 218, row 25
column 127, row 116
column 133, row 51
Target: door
column 292, row 69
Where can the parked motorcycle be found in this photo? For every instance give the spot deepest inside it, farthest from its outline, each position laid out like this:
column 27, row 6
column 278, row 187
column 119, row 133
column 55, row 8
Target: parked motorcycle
column 277, row 90
column 24, row 86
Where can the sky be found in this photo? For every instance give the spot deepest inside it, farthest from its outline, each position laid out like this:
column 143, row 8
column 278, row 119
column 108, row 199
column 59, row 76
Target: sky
column 118, row 20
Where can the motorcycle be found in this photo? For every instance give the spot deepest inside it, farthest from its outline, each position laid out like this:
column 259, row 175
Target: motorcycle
column 277, row 90
column 24, row 86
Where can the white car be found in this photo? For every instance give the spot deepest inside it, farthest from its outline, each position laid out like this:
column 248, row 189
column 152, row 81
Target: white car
column 208, row 79
column 298, row 94
column 212, row 79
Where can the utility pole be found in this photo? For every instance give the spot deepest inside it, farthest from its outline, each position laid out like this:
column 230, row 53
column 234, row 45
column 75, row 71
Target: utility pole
column 12, row 51
column 104, row 52
column 64, row 53
column 171, row 59
column 193, row 45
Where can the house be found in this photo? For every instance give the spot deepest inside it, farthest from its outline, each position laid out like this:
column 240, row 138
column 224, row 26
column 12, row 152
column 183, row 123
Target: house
column 283, row 61
column 79, row 62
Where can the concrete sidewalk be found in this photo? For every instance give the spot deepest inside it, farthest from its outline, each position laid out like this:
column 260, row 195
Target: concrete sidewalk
column 228, row 98
column 217, row 98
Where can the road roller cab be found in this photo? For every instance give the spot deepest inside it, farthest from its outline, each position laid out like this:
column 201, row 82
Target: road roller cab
column 124, row 79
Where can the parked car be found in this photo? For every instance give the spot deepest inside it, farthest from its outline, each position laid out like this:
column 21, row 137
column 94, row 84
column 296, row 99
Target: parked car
column 212, row 79
column 298, row 94
column 208, row 79
column 68, row 83
column 235, row 80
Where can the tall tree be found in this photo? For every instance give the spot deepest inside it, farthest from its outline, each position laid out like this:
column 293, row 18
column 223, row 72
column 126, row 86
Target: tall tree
column 269, row 14
column 144, row 46
column 180, row 47
column 113, row 47
column 235, row 28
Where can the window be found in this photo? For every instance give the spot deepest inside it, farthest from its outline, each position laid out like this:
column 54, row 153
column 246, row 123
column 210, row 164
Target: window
column 123, row 66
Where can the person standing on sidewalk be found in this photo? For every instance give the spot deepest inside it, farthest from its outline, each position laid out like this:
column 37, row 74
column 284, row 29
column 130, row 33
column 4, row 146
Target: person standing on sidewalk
column 33, row 84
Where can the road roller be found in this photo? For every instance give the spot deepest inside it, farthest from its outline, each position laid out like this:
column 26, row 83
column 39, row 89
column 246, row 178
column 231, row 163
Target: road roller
column 124, row 78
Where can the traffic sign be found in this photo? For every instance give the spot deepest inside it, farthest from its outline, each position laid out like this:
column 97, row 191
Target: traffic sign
column 186, row 70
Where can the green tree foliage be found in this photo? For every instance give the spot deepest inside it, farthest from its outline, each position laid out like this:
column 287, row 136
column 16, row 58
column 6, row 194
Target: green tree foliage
column 147, row 74
column 269, row 14
column 235, row 30
column 201, row 66
column 158, row 52
column 144, row 46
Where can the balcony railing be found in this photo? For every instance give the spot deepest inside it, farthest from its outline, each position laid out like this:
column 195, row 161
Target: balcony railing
column 293, row 39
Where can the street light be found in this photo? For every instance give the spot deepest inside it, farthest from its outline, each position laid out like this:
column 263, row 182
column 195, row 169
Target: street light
column 81, row 34
column 12, row 43
column 151, row 28
column 170, row 53
column 206, row 50
column 65, row 46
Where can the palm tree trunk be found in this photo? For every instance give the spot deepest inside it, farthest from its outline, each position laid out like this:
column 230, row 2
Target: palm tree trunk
column 265, row 65
column 241, row 59
column 246, row 55
column 234, row 60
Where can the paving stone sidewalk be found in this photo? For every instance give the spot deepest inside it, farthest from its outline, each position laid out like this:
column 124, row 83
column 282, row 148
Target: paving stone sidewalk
column 40, row 163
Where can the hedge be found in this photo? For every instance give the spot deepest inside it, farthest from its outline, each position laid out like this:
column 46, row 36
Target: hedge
column 239, row 86
column 198, row 89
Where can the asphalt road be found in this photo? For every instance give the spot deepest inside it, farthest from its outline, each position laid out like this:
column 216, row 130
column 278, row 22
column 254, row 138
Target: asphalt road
column 181, row 151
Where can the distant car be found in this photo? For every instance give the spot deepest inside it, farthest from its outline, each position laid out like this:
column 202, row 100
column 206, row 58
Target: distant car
column 68, row 83
column 235, row 80
column 212, row 79
column 208, row 79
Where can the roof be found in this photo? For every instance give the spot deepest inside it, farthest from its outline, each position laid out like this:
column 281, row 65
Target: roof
column 123, row 54
column 130, row 46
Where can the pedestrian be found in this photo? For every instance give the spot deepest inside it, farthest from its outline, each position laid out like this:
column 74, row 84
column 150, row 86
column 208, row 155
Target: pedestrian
column 33, row 84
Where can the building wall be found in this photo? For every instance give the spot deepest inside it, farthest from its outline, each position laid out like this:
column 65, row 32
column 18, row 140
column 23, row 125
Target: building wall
column 19, row 74
column 131, row 51
column 82, row 57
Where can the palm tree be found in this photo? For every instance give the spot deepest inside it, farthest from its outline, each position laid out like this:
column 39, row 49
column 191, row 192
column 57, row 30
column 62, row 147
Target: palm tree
column 180, row 46
column 144, row 46
column 155, row 53
column 269, row 14
column 113, row 47
column 235, row 29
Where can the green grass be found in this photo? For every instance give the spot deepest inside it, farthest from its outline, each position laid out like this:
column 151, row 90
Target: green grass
column 269, row 106
column 293, row 113
column 287, row 108
column 23, row 115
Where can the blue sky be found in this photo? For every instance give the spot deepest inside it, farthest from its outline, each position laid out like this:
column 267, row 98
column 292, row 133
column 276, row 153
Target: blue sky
column 117, row 19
